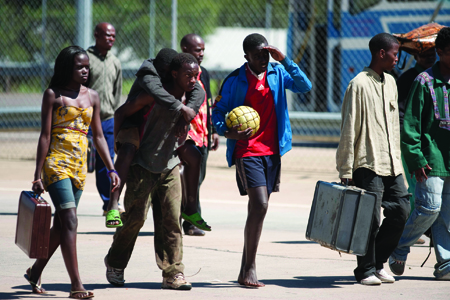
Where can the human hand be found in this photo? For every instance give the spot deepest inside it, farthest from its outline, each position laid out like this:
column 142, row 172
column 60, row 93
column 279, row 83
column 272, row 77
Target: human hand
column 188, row 113
column 181, row 127
column 38, row 187
column 421, row 174
column 275, row 53
column 347, row 181
column 234, row 134
column 115, row 180
column 214, row 141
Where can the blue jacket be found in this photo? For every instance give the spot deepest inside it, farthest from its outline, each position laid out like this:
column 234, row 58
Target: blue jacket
column 286, row 75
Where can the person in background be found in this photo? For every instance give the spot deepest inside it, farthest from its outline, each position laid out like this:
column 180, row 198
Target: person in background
column 369, row 154
column 424, row 61
column 203, row 136
column 426, row 146
column 68, row 109
column 106, row 79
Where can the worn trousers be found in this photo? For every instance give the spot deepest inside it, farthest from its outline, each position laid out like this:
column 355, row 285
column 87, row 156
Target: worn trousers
column 393, row 196
column 163, row 193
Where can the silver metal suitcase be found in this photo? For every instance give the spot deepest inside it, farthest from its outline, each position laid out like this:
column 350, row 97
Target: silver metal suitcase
column 341, row 217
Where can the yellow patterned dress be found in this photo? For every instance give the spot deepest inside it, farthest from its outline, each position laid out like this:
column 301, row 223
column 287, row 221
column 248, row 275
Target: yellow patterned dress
column 66, row 156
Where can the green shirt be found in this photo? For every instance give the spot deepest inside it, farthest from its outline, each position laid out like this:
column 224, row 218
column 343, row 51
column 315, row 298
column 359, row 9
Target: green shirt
column 423, row 141
column 106, row 79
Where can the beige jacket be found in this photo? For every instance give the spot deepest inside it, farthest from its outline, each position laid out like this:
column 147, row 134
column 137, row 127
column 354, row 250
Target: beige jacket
column 370, row 129
column 106, row 79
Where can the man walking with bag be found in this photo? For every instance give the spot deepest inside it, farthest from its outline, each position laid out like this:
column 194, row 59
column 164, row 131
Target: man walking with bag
column 369, row 154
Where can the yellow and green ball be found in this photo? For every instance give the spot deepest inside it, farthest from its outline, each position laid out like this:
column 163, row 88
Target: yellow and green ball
column 246, row 116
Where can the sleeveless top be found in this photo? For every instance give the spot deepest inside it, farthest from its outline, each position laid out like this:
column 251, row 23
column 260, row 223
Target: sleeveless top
column 66, row 157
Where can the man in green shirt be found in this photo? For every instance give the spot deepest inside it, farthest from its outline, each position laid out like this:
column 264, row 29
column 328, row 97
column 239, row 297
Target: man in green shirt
column 425, row 143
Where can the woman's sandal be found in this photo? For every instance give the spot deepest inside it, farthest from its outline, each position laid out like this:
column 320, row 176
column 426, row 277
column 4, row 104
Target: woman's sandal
column 113, row 216
column 36, row 287
column 197, row 221
column 84, row 294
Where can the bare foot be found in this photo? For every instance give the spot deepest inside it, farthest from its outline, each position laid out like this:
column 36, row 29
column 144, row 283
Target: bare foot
column 249, row 279
column 241, row 278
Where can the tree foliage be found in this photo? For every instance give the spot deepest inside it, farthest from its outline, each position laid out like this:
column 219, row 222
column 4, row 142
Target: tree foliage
column 23, row 37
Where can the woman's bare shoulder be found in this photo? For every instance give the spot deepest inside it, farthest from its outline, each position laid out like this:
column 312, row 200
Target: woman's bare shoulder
column 94, row 95
column 50, row 95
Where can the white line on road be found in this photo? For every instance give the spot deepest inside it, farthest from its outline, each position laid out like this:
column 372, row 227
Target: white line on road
column 213, row 201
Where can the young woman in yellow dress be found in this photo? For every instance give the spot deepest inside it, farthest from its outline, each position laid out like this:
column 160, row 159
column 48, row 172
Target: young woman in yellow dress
column 68, row 108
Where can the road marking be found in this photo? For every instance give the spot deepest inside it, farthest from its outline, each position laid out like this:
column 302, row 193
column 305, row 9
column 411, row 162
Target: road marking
column 213, row 201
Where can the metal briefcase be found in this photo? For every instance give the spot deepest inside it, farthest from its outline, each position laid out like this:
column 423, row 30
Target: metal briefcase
column 341, row 217
column 33, row 225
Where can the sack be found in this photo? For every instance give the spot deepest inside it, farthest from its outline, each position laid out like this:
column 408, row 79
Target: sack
column 420, row 39
column 90, row 155
column 33, row 225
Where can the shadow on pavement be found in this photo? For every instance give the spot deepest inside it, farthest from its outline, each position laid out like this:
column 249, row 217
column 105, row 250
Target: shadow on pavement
column 295, row 242
column 215, row 285
column 431, row 278
column 17, row 295
column 25, row 289
column 148, row 233
column 312, row 282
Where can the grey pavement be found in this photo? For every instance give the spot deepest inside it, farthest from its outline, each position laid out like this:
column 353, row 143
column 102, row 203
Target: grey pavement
column 290, row 266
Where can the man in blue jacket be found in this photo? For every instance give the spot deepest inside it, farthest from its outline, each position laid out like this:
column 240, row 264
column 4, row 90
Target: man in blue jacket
column 260, row 85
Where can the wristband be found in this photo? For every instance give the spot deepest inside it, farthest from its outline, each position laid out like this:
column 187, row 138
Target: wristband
column 112, row 171
column 33, row 182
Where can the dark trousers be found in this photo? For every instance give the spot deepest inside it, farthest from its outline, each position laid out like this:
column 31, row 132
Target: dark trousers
column 101, row 172
column 204, row 151
column 393, row 196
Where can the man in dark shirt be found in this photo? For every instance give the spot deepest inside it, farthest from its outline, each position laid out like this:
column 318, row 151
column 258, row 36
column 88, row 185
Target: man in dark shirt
column 424, row 61
column 128, row 128
column 202, row 133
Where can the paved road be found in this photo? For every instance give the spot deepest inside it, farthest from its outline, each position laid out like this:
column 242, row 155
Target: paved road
column 290, row 266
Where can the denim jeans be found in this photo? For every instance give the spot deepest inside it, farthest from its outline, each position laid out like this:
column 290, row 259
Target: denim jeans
column 101, row 172
column 432, row 208
column 411, row 184
column 393, row 196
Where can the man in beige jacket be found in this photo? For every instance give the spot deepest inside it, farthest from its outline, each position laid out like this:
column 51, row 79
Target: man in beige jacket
column 369, row 154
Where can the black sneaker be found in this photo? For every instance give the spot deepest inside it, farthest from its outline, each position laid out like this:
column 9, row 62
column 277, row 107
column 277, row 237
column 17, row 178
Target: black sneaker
column 397, row 266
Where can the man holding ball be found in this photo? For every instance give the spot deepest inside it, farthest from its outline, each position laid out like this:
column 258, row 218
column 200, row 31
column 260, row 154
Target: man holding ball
column 260, row 85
